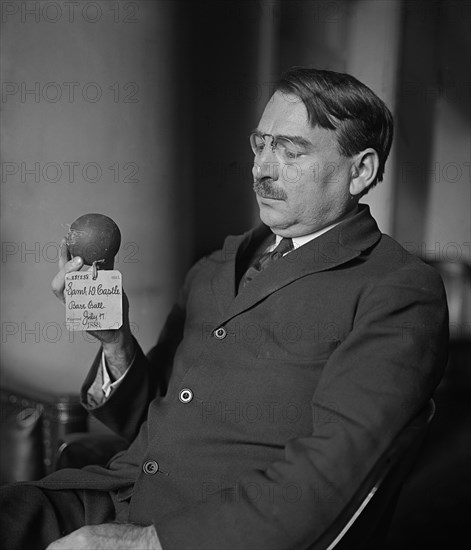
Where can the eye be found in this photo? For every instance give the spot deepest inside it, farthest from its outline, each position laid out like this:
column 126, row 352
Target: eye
column 257, row 143
column 291, row 155
column 259, row 146
column 288, row 149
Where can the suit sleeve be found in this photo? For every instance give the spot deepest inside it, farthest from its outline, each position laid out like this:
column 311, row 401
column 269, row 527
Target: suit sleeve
column 376, row 380
column 126, row 408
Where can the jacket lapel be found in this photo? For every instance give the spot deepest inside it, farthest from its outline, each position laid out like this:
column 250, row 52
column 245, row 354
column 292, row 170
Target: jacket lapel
column 339, row 245
column 232, row 258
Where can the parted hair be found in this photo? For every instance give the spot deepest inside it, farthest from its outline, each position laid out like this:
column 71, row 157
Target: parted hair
column 340, row 102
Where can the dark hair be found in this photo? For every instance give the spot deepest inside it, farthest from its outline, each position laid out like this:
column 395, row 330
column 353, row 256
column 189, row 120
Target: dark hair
column 342, row 103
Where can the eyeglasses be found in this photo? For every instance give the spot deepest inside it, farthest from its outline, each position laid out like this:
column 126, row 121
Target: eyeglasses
column 284, row 148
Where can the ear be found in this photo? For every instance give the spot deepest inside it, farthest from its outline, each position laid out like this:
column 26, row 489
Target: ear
column 364, row 171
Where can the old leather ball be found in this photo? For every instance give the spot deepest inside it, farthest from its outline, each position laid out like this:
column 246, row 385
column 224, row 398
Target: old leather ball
column 95, row 238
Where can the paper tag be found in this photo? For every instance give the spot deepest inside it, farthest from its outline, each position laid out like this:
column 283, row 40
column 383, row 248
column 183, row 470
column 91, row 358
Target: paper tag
column 93, row 304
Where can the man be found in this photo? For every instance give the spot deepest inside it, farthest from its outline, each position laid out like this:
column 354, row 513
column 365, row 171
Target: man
column 278, row 380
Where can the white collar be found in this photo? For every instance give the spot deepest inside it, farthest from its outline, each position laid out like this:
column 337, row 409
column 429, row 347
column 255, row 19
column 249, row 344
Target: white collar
column 303, row 239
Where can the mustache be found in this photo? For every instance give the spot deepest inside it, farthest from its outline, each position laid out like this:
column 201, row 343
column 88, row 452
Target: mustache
column 265, row 188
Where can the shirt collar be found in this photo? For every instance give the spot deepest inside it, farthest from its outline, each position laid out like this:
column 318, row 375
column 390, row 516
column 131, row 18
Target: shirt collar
column 300, row 241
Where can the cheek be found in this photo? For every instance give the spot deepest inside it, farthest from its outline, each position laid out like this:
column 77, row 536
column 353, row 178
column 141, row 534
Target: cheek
column 294, row 174
column 312, row 199
column 303, row 198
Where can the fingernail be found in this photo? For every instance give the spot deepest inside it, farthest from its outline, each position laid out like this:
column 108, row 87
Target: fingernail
column 77, row 260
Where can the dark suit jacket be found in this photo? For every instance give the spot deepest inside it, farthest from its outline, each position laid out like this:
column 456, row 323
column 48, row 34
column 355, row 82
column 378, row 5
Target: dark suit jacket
column 322, row 360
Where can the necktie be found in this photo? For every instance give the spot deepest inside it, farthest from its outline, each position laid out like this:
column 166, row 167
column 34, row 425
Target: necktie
column 266, row 259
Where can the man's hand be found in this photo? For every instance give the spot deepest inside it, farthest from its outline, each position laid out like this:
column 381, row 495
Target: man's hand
column 117, row 344
column 109, row 536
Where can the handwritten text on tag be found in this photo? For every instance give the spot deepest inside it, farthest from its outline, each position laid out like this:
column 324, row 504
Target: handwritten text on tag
column 93, row 304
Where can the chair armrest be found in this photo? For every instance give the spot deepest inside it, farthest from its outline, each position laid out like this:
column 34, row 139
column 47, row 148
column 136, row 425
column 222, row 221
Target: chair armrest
column 82, row 449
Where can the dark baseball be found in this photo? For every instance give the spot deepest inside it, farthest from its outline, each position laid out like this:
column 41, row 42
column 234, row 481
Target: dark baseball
column 95, row 238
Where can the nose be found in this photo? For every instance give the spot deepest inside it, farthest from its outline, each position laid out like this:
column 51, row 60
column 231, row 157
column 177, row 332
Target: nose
column 256, row 171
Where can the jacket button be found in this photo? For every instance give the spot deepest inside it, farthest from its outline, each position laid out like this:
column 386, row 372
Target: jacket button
column 150, row 467
column 186, row 395
column 220, row 333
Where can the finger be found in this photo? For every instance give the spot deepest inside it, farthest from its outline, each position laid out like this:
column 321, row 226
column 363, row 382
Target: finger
column 64, row 256
column 58, row 282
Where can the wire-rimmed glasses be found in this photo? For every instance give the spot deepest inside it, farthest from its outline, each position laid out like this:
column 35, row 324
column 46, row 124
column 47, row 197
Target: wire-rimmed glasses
column 286, row 151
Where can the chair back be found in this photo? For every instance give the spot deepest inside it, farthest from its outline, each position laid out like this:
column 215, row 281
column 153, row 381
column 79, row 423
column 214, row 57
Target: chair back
column 364, row 522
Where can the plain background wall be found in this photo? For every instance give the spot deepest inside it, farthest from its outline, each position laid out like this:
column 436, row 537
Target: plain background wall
column 130, row 58
column 183, row 83
column 339, row 36
column 448, row 220
column 433, row 135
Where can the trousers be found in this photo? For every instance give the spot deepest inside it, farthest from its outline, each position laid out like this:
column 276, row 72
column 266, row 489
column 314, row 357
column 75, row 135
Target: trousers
column 31, row 517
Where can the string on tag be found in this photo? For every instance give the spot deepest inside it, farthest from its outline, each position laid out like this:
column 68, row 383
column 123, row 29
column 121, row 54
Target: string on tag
column 95, row 269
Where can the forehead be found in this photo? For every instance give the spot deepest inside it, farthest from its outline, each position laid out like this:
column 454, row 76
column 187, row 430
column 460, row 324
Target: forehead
column 284, row 114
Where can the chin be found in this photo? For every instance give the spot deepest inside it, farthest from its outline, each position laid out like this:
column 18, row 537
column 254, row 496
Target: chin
column 272, row 218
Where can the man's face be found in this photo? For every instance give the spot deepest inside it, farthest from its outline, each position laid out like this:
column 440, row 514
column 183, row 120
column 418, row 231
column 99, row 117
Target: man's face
column 302, row 196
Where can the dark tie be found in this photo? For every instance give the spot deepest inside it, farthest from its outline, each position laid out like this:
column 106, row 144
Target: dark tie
column 266, row 260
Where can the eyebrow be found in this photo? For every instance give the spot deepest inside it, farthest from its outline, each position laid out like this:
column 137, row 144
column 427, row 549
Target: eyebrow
column 298, row 140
